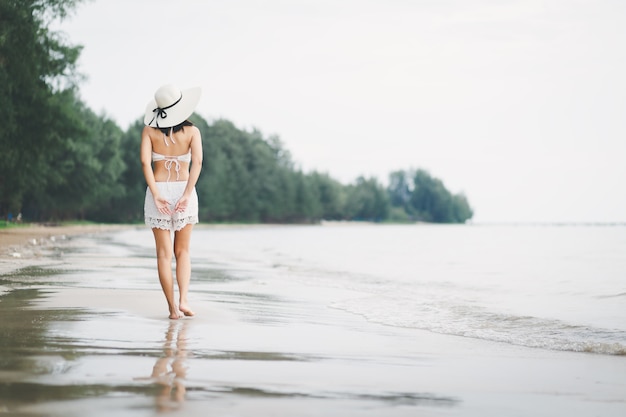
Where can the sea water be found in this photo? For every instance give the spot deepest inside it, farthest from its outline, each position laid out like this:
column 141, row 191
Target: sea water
column 543, row 286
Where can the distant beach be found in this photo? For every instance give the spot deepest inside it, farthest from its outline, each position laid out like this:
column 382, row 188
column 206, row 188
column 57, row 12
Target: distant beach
column 85, row 330
column 23, row 244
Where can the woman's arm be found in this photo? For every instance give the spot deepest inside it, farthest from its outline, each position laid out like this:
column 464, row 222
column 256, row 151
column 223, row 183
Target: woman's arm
column 194, row 172
column 148, row 173
column 196, row 161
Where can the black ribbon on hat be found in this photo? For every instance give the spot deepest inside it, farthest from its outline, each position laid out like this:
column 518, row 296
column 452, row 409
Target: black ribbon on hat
column 160, row 111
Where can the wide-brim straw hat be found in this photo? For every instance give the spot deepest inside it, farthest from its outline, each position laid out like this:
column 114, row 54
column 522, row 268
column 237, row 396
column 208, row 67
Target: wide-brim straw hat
column 171, row 106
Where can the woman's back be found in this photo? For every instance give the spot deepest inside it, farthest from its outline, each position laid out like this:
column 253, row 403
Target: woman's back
column 171, row 146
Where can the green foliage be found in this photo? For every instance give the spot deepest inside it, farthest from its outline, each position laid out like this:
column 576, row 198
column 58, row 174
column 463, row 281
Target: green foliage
column 126, row 204
column 332, row 196
column 424, row 198
column 82, row 173
column 249, row 178
column 367, row 200
column 36, row 78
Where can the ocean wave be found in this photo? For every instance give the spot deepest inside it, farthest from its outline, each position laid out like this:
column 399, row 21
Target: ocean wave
column 618, row 295
column 479, row 323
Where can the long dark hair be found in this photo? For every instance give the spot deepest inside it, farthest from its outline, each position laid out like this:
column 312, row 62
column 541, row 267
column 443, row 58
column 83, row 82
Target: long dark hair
column 174, row 129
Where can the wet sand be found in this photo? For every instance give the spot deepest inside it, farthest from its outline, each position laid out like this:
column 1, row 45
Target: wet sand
column 84, row 331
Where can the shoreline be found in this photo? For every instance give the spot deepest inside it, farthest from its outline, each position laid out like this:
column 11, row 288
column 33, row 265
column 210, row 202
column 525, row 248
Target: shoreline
column 34, row 244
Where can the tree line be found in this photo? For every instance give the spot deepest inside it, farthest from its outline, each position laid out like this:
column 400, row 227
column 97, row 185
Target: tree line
column 61, row 161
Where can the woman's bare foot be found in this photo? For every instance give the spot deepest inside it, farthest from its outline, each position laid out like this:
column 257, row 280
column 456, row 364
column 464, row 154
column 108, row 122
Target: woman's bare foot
column 174, row 315
column 186, row 310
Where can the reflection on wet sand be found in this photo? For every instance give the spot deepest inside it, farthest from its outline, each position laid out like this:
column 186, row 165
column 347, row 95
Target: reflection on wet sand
column 170, row 370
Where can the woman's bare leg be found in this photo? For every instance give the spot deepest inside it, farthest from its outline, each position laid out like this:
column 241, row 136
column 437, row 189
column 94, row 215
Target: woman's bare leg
column 183, row 266
column 163, row 241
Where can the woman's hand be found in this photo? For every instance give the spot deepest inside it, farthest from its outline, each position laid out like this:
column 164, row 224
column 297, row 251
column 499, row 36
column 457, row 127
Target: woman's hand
column 181, row 205
column 162, row 205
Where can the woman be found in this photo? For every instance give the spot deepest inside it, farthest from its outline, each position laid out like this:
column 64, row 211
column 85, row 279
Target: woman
column 169, row 144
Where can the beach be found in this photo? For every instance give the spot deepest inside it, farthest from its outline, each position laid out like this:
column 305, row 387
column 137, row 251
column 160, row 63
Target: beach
column 85, row 332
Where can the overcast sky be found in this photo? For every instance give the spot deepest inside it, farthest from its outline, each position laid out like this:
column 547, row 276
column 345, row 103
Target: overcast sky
column 519, row 104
